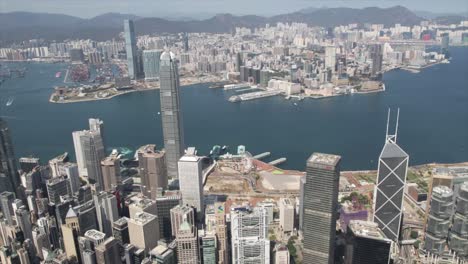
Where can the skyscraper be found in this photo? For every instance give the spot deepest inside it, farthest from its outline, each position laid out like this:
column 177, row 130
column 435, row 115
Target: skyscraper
column 151, row 60
column 163, row 206
column 131, row 48
column 330, row 57
column 187, row 244
column 191, row 181
column 186, row 42
column 221, row 233
column 106, row 211
column 90, row 151
column 376, row 55
column 144, row 231
column 8, row 164
column 6, row 201
column 320, row 206
column 108, row 251
column 152, row 169
column 110, row 167
column 179, row 214
column 366, row 244
column 249, row 230
column 170, row 112
column 286, row 210
column 389, row 189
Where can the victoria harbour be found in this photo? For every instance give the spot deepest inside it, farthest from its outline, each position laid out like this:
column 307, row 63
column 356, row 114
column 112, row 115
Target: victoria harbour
column 433, row 123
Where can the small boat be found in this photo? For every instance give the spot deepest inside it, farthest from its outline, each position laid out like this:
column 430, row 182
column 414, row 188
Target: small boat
column 159, row 113
column 295, row 103
column 10, row 101
column 58, row 74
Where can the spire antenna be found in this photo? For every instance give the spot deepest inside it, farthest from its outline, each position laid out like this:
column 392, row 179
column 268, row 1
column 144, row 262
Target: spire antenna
column 396, row 126
column 388, row 120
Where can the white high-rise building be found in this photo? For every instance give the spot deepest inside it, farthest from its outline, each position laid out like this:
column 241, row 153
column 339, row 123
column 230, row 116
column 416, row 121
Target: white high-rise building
column 286, row 214
column 249, row 230
column 90, row 151
column 144, row 231
column 330, row 57
column 191, row 180
column 106, row 211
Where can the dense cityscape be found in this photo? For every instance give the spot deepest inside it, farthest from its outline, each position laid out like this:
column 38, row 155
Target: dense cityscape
column 171, row 204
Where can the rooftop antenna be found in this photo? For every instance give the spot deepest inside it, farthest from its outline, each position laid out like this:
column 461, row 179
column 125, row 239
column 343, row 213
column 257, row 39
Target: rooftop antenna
column 388, row 120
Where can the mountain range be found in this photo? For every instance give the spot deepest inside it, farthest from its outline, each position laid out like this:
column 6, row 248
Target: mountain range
column 19, row 26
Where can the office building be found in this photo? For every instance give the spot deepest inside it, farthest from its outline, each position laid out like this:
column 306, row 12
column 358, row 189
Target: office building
column 191, row 181
column 131, row 49
column 208, row 248
column 56, row 188
column 444, row 42
column 170, row 112
column 108, row 251
column 70, row 233
column 286, row 214
column 6, row 199
column 164, row 205
column 23, row 219
column 144, row 231
column 90, row 151
column 320, row 207
column 27, row 164
column 366, row 244
column 187, row 244
column 438, row 220
column 458, row 236
column 389, row 189
column 120, row 230
column 163, row 255
column 56, row 163
column 179, row 214
column 87, row 217
column 330, row 57
column 70, row 170
column 151, row 59
column 152, row 170
column 8, row 165
column 376, row 54
column 186, row 42
column 221, row 233
column 249, row 231
column 106, row 211
column 110, row 172
column 76, row 55
column 142, row 204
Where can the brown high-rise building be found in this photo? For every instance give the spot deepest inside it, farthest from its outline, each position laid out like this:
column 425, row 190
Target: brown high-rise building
column 108, row 251
column 110, row 172
column 152, row 169
column 179, row 214
column 221, row 233
column 187, row 244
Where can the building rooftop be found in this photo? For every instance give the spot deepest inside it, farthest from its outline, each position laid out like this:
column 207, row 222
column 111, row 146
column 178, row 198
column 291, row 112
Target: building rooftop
column 121, row 221
column 324, row 159
column 442, row 191
column 167, row 56
column 94, row 234
column 392, row 150
column 149, row 151
column 159, row 250
column 143, row 218
column 367, row 229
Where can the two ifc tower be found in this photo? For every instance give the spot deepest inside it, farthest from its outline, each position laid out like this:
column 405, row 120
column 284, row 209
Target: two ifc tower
column 169, row 93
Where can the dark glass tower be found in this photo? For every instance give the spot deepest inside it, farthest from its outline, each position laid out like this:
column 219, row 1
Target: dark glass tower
column 8, row 164
column 131, row 48
column 320, row 206
column 170, row 111
column 389, row 190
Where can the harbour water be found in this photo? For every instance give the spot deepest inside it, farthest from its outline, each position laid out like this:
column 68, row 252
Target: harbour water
column 433, row 120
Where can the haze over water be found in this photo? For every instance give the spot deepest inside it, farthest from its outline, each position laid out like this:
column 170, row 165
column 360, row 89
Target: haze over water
column 433, row 118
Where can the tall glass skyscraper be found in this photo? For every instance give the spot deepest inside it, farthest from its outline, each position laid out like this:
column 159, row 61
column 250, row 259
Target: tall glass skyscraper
column 320, row 207
column 170, row 111
column 389, row 190
column 8, row 165
column 131, row 48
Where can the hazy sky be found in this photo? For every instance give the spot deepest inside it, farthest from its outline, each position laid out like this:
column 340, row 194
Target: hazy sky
column 168, row 8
